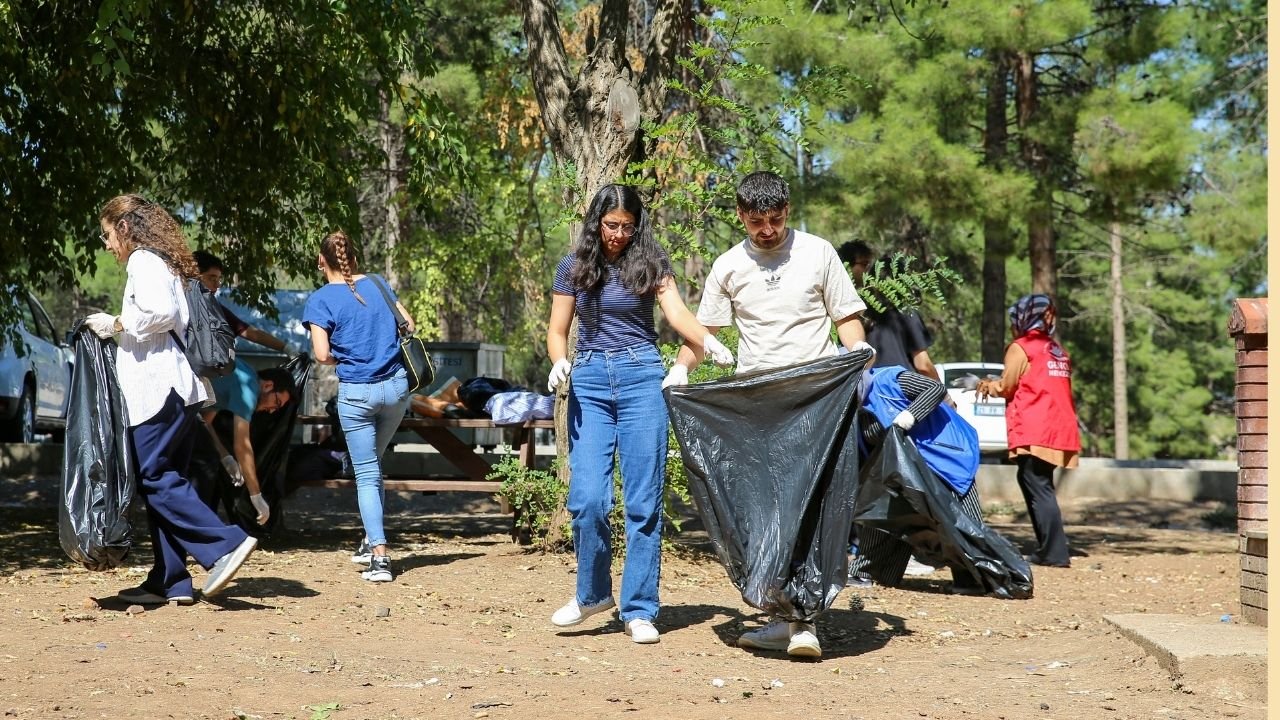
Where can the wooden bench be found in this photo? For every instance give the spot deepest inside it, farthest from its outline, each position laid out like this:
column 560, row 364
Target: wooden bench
column 473, row 469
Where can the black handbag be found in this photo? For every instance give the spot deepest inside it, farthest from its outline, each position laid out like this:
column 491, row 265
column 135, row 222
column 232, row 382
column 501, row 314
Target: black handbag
column 413, row 351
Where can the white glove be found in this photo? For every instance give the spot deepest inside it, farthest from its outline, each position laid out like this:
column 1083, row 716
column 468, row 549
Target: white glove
column 559, row 373
column 862, row 345
column 905, row 420
column 293, row 348
column 678, row 375
column 264, row 510
column 102, row 325
column 720, row 354
column 233, row 469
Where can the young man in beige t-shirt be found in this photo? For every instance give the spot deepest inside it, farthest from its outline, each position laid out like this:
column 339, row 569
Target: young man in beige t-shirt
column 783, row 289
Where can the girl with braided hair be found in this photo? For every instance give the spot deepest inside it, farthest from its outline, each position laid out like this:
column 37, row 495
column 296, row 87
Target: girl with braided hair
column 353, row 329
column 161, row 396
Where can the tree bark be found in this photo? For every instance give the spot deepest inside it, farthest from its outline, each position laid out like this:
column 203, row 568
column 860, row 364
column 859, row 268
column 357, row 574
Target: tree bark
column 1040, row 238
column 1119, row 350
column 391, row 218
column 996, row 237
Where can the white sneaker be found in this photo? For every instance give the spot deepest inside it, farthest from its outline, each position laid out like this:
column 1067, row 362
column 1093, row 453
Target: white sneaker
column 774, row 636
column 916, row 568
column 803, row 641
column 572, row 613
column 642, row 631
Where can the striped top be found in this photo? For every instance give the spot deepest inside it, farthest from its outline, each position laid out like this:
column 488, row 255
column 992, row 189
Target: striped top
column 611, row 317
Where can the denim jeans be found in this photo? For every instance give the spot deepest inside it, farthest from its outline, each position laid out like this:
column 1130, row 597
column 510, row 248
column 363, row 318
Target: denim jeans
column 616, row 406
column 369, row 414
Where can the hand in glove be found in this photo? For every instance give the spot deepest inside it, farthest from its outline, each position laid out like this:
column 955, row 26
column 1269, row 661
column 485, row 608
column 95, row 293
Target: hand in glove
column 264, row 510
column 233, row 469
column 102, row 325
column 678, row 375
column 905, row 420
column 862, row 345
column 720, row 354
column 559, row 373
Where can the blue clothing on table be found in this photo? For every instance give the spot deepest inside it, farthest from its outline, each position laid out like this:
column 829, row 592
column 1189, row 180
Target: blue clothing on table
column 237, row 392
column 610, row 317
column 362, row 337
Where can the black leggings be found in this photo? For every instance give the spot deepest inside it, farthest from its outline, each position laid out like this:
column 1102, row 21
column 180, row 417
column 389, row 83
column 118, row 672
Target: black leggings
column 1035, row 478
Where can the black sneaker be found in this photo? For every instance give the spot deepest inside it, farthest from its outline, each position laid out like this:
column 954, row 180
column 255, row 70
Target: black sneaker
column 363, row 554
column 379, row 569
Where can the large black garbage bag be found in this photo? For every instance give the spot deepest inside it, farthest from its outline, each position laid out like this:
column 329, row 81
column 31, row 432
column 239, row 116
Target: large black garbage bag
column 772, row 463
column 271, row 435
column 900, row 495
column 98, row 476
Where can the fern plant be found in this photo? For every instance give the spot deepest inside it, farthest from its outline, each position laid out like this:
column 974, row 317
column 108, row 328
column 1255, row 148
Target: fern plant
column 892, row 283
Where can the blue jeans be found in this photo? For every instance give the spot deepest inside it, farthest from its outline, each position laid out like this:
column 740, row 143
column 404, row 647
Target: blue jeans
column 616, row 406
column 369, row 414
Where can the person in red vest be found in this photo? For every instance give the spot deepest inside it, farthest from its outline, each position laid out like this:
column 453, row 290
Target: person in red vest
column 1040, row 419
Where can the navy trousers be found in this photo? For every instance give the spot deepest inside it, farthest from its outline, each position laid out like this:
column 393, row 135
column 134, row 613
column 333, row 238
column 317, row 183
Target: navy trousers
column 181, row 524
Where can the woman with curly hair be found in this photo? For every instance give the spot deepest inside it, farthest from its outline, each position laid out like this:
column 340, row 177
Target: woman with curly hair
column 161, row 396
column 611, row 280
column 360, row 338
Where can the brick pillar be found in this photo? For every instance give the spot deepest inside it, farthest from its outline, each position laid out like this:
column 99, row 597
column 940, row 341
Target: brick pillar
column 1248, row 326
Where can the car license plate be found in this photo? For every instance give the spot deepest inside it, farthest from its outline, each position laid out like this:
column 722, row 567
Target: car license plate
column 988, row 409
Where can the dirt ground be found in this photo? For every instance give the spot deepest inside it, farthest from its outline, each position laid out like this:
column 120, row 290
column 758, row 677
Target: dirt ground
column 463, row 632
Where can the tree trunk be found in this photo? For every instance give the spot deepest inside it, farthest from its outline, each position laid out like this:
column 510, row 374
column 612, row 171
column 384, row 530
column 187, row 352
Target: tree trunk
column 1040, row 239
column 391, row 216
column 593, row 120
column 996, row 237
column 1119, row 363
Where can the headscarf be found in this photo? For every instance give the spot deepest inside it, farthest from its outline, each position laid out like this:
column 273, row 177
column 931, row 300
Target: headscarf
column 1028, row 314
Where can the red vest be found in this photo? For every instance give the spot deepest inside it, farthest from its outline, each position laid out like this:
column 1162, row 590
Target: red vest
column 1042, row 411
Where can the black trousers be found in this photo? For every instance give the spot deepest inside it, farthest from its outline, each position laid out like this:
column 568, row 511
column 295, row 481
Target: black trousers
column 1035, row 478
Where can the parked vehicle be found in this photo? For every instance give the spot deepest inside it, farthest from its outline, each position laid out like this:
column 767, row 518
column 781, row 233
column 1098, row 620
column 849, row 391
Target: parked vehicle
column 986, row 416
column 35, row 383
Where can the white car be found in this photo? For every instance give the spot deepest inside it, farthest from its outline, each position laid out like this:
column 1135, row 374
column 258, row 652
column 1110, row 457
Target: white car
column 35, row 385
column 986, row 416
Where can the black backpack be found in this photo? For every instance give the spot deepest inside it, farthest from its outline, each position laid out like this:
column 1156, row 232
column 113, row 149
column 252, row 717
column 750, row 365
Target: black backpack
column 209, row 342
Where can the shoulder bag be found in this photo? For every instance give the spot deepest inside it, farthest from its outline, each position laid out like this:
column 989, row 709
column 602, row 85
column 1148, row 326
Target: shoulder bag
column 413, row 352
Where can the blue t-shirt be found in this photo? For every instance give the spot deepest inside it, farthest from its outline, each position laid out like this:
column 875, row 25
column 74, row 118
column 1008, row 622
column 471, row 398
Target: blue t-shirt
column 362, row 337
column 237, row 392
column 611, row 317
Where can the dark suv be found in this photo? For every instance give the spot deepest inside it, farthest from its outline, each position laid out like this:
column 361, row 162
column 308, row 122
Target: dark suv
column 35, row 385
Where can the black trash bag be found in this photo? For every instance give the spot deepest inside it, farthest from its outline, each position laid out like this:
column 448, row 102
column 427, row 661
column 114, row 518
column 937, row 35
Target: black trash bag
column 271, row 435
column 900, row 495
column 475, row 393
column 772, row 464
column 98, row 474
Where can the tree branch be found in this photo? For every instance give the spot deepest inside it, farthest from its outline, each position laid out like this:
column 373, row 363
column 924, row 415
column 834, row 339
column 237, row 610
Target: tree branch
column 549, row 69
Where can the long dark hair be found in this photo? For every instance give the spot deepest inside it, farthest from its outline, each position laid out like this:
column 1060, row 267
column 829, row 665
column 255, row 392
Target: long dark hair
column 640, row 266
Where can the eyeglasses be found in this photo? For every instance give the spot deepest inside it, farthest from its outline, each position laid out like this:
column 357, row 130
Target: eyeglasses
column 627, row 229
column 103, row 237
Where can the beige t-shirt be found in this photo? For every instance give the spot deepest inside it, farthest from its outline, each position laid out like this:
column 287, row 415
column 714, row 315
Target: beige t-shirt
column 782, row 300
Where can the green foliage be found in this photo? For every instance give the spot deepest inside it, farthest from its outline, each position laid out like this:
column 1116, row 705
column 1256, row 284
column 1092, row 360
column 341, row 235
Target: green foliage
column 892, row 283
column 534, row 496
column 247, row 122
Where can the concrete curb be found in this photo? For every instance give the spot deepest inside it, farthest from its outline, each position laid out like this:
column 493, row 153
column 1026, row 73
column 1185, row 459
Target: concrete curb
column 1205, row 655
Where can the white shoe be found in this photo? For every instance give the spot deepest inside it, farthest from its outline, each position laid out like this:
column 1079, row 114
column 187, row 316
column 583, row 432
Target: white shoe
column 363, row 553
column 642, row 631
column 803, row 641
column 573, row 613
column 774, row 636
column 916, row 568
